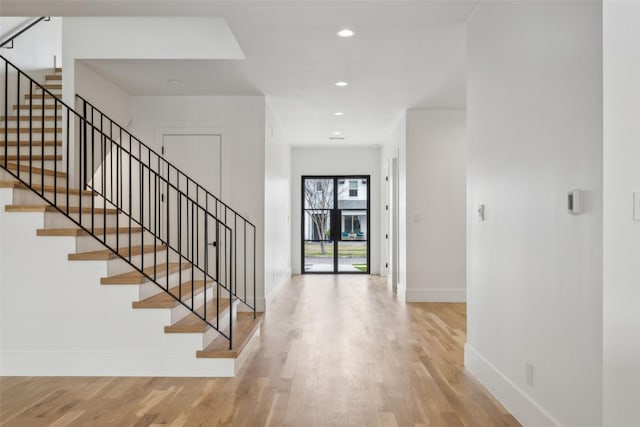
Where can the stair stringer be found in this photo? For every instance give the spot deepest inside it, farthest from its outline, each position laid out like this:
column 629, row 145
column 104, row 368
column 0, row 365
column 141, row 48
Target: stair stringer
column 57, row 320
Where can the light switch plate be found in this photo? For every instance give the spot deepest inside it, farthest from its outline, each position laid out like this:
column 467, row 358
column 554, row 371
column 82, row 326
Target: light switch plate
column 636, row 206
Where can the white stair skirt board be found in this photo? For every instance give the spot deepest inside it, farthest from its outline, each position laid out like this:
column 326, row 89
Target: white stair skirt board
column 526, row 410
column 56, row 319
column 436, row 295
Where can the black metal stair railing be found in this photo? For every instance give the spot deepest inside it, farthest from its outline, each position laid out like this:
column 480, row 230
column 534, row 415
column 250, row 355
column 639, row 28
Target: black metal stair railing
column 122, row 200
column 155, row 164
column 8, row 43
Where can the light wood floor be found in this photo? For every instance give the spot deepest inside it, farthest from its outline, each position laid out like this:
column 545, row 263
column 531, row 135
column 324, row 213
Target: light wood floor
column 333, row 351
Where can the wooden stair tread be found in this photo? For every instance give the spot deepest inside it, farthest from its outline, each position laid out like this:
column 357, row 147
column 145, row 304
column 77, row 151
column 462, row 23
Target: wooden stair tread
column 37, row 107
column 38, row 171
column 52, row 85
column 34, row 157
column 165, row 300
column 76, row 232
column 48, row 208
column 108, row 254
column 137, row 278
column 32, row 130
column 52, row 77
column 243, row 329
column 35, row 144
column 47, row 188
column 194, row 324
column 27, row 117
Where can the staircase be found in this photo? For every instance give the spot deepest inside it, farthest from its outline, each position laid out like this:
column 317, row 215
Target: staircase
column 145, row 223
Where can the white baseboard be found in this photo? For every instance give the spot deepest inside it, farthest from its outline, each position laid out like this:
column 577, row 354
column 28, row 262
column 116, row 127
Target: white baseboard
column 436, row 295
column 112, row 364
column 526, row 410
column 278, row 287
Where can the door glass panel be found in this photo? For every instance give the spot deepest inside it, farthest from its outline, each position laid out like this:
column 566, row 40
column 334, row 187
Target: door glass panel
column 352, row 247
column 352, row 256
column 352, row 193
column 318, row 204
column 318, row 193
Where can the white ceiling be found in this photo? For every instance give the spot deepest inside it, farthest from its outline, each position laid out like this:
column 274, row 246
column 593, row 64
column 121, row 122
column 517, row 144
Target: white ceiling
column 405, row 54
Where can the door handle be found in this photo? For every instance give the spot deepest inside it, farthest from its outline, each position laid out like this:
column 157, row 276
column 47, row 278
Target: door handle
column 212, row 244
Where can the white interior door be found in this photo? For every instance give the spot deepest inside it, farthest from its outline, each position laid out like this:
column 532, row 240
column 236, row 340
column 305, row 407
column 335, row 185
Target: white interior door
column 199, row 156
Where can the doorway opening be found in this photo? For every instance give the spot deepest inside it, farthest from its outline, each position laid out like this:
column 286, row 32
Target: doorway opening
column 335, row 224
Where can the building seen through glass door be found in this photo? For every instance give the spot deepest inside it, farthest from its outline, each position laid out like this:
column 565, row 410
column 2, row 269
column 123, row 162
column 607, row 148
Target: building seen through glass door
column 335, row 224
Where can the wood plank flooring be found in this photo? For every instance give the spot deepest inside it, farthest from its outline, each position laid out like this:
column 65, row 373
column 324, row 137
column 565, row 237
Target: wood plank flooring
column 333, row 351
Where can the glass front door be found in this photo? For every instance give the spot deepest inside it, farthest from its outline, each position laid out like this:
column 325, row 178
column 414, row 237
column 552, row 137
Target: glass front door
column 335, row 224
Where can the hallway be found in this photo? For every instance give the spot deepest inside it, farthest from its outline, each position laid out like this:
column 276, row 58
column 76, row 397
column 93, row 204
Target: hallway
column 333, row 351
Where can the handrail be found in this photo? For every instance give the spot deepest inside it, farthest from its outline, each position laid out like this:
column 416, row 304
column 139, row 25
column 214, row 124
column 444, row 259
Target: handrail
column 146, row 212
column 19, row 33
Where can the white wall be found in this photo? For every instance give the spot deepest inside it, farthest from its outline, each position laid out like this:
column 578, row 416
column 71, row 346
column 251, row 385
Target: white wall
column 105, row 95
column 534, row 110
column 277, row 217
column 621, row 290
column 335, row 161
column 241, row 122
column 436, row 177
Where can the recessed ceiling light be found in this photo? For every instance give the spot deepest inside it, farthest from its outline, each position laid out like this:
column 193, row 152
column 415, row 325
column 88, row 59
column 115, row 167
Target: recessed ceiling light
column 337, row 133
column 345, row 33
column 174, row 81
column 338, row 113
column 342, row 84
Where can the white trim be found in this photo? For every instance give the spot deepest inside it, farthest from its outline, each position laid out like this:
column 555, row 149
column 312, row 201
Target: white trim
column 436, row 295
column 113, row 364
column 285, row 278
column 526, row 410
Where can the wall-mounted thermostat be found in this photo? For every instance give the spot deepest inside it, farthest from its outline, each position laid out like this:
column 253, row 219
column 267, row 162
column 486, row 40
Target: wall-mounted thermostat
column 481, row 212
column 573, row 202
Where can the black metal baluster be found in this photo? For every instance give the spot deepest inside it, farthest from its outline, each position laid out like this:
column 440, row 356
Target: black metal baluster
column 18, row 134
column 217, row 273
column 44, row 96
column 168, row 219
column 180, row 242
column 6, row 113
column 30, row 133
column 130, row 196
column 206, row 260
column 55, row 151
column 67, row 156
column 93, row 169
column 231, row 299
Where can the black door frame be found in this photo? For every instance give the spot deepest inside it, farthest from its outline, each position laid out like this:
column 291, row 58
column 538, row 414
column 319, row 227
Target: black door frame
column 336, row 231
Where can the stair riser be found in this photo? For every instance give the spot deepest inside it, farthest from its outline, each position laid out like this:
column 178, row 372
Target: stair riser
column 48, row 180
column 34, row 137
column 89, row 243
column 28, row 197
column 211, row 334
column 118, row 266
column 58, row 220
column 52, row 165
column 149, row 289
column 36, row 122
column 37, row 99
column 36, row 150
